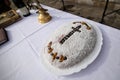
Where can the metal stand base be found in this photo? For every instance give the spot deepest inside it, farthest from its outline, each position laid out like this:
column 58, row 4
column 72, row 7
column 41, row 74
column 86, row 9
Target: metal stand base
column 104, row 12
column 103, row 15
column 64, row 8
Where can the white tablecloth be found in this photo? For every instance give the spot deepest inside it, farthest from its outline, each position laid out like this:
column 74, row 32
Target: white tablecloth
column 20, row 60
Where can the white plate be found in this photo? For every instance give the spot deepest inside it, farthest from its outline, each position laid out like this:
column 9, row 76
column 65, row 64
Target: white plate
column 83, row 64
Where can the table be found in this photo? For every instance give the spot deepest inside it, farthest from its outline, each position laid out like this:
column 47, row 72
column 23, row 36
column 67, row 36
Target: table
column 20, row 57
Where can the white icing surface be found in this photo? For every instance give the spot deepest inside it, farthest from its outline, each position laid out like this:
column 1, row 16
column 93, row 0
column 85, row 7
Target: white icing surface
column 78, row 48
column 75, row 48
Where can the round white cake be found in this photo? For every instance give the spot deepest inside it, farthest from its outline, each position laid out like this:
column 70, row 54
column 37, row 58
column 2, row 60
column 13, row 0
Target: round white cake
column 70, row 45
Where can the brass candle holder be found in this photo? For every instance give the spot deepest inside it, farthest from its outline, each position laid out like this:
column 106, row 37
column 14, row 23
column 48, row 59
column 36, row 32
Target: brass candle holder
column 44, row 16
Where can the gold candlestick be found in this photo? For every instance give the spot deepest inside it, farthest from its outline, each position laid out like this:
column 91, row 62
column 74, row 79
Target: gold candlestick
column 44, row 16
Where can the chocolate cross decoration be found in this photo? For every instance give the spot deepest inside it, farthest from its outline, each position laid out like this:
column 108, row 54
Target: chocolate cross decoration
column 70, row 34
column 76, row 29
